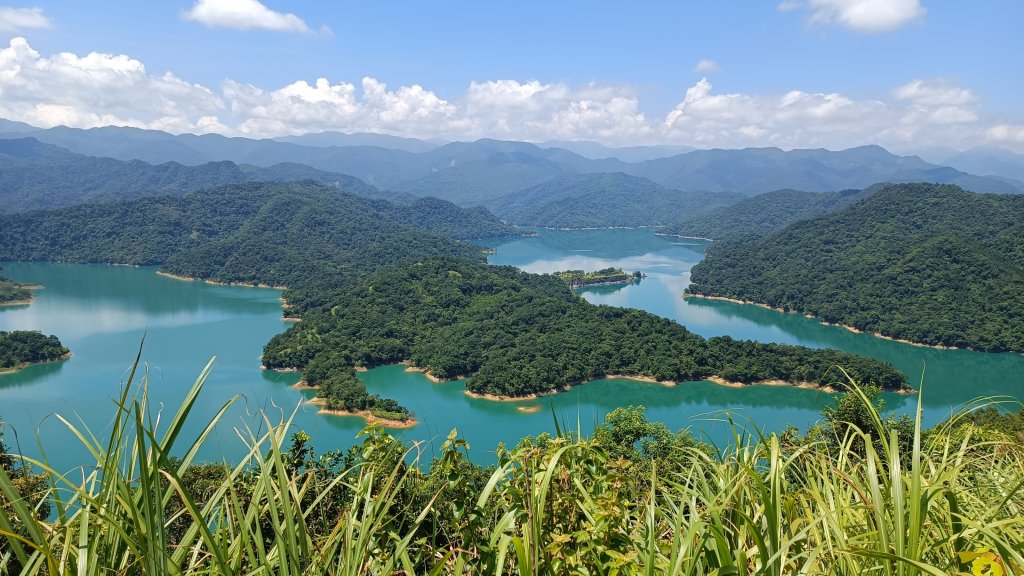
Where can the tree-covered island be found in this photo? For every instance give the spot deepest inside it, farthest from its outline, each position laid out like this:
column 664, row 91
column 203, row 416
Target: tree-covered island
column 606, row 276
column 513, row 335
column 13, row 293
column 22, row 348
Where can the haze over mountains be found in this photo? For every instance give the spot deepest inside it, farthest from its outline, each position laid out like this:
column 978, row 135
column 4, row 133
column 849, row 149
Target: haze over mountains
column 490, row 173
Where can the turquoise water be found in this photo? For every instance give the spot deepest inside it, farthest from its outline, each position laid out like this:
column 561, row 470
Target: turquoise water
column 102, row 313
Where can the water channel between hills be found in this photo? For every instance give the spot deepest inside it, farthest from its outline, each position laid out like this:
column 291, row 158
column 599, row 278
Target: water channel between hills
column 102, row 312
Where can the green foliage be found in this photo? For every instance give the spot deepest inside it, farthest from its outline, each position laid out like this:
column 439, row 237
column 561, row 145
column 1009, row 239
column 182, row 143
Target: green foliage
column 262, row 233
column 926, row 263
column 579, row 278
column 633, row 500
column 762, row 214
column 515, row 334
column 11, row 291
column 22, row 347
column 603, row 200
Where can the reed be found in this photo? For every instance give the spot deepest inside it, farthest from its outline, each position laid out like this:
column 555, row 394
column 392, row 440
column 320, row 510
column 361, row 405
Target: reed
column 855, row 503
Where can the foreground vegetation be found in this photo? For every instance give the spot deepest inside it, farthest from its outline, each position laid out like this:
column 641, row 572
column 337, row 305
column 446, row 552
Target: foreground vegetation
column 23, row 347
column 515, row 334
column 862, row 493
column 927, row 263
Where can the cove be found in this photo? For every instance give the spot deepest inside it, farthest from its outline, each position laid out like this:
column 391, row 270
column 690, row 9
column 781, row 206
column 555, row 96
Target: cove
column 102, row 313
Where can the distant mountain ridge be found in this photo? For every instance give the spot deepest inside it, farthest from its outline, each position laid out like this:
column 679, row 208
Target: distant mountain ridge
column 474, row 173
column 35, row 175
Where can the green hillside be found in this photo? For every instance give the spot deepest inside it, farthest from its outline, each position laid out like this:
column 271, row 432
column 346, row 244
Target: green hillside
column 928, row 263
column 603, row 200
column 261, row 233
column 761, row 214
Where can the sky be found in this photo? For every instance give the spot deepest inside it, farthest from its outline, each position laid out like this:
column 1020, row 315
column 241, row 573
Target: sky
column 905, row 74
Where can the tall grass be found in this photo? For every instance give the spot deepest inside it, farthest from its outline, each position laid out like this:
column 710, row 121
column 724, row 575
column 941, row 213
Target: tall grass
column 852, row 504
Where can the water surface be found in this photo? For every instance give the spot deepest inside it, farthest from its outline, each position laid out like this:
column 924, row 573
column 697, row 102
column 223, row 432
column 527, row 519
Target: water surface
column 102, row 313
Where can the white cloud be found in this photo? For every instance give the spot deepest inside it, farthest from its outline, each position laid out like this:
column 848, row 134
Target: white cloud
column 1007, row 133
column 864, row 16
column 936, row 92
column 97, row 90
column 706, row 66
column 936, row 109
column 246, row 15
column 535, row 111
column 16, row 19
column 301, row 107
column 100, row 89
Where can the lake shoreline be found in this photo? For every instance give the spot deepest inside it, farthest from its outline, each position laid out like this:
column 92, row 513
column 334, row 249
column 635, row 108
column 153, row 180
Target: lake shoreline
column 25, row 365
column 216, row 282
column 824, row 323
column 22, row 302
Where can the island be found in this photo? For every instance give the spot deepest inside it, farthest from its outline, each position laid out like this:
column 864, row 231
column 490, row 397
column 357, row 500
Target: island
column 605, row 277
column 511, row 334
column 22, row 348
column 14, row 293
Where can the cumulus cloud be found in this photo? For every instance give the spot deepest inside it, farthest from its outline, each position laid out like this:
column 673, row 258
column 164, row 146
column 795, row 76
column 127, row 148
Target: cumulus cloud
column 246, row 15
column 706, row 66
column 302, row 107
column 17, row 19
column 536, row 111
column 864, row 16
column 937, row 108
column 100, row 89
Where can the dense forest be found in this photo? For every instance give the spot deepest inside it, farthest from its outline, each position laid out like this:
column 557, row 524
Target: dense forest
column 11, row 291
column 516, row 334
column 23, row 347
column 927, row 263
column 602, row 201
column 259, row 233
column 762, row 214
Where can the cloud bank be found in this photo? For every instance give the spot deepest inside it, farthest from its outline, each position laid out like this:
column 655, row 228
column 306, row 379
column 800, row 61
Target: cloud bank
column 104, row 89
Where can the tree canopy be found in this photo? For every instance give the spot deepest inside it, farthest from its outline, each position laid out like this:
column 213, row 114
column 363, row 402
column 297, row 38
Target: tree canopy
column 923, row 262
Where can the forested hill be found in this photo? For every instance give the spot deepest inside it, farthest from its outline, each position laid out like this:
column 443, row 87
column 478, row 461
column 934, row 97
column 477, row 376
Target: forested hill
column 604, row 200
column 762, row 214
column 928, row 263
column 266, row 233
column 34, row 175
column 515, row 334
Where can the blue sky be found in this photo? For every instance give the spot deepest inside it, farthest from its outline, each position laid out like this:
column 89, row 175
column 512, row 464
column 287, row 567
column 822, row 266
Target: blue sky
column 801, row 73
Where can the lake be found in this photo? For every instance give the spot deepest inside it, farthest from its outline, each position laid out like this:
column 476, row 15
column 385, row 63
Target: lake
column 102, row 313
